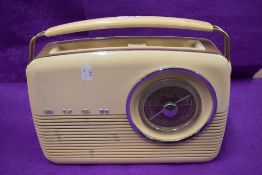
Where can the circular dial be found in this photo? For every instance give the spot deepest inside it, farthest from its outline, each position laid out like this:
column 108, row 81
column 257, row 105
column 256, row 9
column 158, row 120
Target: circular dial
column 169, row 104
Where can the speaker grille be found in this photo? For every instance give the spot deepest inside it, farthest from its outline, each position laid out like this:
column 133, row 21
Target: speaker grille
column 110, row 139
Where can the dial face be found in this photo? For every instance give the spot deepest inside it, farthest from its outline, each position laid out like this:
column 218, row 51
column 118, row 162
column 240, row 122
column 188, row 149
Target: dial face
column 169, row 105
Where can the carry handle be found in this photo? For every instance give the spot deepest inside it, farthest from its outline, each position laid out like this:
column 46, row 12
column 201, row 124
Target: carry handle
column 130, row 22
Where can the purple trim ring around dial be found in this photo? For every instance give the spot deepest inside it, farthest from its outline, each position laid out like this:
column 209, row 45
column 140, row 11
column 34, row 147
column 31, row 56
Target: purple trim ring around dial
column 171, row 70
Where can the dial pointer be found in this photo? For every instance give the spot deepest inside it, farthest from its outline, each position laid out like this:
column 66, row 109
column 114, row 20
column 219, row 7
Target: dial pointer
column 182, row 99
column 156, row 114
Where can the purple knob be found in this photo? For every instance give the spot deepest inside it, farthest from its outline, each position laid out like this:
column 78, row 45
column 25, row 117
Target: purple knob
column 170, row 109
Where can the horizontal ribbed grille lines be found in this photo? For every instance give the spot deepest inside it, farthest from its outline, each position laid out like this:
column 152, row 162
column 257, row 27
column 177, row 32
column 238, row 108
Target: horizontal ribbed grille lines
column 110, row 137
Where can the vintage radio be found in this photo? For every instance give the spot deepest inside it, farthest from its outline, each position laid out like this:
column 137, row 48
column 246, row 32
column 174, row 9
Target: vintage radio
column 130, row 99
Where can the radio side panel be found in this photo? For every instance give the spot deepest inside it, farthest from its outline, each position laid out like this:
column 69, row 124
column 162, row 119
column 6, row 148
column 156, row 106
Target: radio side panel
column 59, row 82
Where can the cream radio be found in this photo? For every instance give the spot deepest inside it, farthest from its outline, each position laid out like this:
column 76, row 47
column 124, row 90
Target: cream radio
column 130, row 99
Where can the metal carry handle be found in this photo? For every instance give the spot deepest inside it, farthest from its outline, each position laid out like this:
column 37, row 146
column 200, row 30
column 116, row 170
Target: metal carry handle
column 130, row 22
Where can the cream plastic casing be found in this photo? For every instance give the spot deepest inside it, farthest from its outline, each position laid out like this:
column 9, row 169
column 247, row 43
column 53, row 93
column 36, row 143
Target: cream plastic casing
column 58, row 78
column 55, row 83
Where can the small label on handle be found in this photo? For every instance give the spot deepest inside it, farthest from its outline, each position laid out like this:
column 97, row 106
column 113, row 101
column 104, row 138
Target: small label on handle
column 86, row 72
